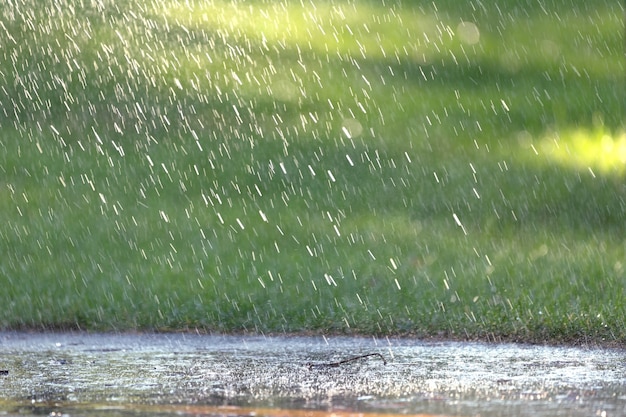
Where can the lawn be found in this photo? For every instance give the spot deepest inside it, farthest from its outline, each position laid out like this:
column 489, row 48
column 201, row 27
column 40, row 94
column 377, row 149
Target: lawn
column 365, row 167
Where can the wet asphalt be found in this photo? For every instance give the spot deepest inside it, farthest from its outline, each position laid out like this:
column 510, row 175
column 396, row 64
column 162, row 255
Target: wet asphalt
column 174, row 374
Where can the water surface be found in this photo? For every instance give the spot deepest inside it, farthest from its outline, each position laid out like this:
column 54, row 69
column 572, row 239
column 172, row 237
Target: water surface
column 137, row 374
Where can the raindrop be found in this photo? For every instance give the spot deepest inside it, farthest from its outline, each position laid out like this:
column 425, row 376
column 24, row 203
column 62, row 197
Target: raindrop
column 393, row 263
column 458, row 222
column 330, row 280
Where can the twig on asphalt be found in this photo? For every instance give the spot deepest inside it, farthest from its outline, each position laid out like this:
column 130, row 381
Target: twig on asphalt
column 339, row 363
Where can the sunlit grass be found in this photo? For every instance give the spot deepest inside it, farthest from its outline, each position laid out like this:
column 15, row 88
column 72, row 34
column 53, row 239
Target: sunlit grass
column 593, row 150
column 359, row 30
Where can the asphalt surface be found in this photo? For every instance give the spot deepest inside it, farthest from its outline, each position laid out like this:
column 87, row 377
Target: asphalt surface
column 188, row 374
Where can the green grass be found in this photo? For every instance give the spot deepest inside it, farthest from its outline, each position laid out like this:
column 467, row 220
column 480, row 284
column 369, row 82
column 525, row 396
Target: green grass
column 348, row 167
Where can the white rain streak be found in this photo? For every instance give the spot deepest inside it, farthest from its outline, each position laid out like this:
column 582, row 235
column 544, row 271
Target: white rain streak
column 330, row 280
column 458, row 223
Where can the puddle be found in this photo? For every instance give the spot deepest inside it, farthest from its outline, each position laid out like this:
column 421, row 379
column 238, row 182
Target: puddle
column 182, row 374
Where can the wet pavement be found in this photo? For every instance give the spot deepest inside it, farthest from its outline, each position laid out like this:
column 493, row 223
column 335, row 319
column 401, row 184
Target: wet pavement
column 187, row 374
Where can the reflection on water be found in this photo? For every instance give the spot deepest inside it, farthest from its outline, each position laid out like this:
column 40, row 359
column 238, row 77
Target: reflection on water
column 83, row 374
